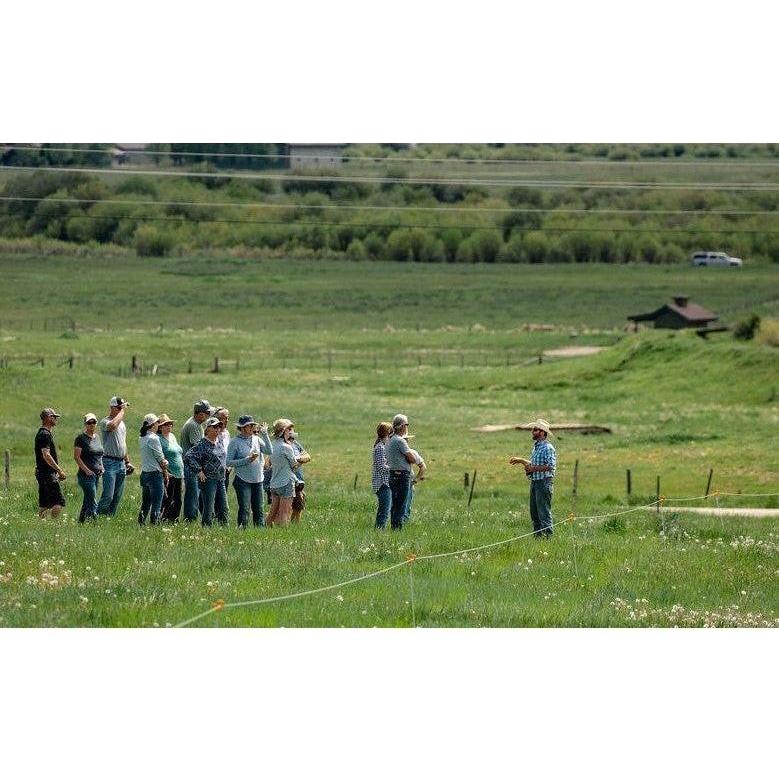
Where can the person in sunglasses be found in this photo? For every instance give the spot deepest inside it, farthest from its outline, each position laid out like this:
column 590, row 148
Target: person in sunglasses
column 47, row 469
column 88, row 454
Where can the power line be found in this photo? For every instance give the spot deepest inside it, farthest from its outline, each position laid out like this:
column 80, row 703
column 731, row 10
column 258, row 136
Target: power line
column 392, row 160
column 441, row 209
column 528, row 183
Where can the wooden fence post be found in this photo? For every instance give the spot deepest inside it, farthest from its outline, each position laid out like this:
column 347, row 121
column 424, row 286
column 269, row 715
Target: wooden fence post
column 134, row 364
column 216, row 364
column 708, row 483
column 70, row 362
column 629, row 485
column 575, row 478
column 7, row 469
column 658, row 495
column 465, row 480
column 473, row 485
column 354, row 487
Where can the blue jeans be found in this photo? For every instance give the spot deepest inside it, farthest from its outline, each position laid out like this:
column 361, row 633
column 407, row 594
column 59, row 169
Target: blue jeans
column 384, row 497
column 214, row 501
column 191, row 494
column 113, row 486
column 249, row 495
column 89, row 485
column 153, row 491
column 541, row 506
column 400, row 483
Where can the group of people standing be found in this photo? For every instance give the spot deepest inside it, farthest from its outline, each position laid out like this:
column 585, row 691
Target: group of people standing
column 193, row 474
column 392, row 478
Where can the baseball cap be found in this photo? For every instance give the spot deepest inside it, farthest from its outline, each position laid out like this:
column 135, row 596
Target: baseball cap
column 150, row 419
column 203, row 407
column 48, row 412
column 117, row 402
column 213, row 422
column 89, row 417
column 245, row 419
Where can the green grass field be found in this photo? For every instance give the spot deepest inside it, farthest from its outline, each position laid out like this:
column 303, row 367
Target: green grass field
column 339, row 347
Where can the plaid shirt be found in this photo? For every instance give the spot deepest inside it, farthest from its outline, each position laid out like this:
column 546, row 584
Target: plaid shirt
column 380, row 475
column 207, row 457
column 543, row 454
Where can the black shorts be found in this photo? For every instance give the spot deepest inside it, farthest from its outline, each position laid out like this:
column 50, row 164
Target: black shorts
column 49, row 491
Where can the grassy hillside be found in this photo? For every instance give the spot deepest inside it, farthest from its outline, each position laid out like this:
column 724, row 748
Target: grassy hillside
column 677, row 406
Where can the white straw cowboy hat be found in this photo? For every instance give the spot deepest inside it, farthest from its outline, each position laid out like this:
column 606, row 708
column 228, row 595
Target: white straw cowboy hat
column 280, row 425
column 541, row 424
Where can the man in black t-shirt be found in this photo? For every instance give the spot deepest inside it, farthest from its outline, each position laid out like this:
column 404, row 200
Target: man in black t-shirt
column 47, row 469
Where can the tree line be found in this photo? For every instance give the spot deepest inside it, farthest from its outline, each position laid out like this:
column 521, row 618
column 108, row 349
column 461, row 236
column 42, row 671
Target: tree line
column 302, row 218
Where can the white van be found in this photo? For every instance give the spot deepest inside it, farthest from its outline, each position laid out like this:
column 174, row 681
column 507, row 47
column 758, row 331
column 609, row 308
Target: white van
column 715, row 259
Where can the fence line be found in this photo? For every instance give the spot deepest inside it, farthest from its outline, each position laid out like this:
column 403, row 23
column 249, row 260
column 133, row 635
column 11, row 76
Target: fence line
column 411, row 558
column 330, row 360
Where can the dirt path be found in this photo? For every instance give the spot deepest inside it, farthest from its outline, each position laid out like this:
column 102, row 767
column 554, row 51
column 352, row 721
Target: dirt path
column 725, row 512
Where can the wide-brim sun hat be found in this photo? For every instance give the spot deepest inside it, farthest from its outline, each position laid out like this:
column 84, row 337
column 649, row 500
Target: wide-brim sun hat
column 150, row 419
column 165, row 419
column 541, row 424
column 280, row 425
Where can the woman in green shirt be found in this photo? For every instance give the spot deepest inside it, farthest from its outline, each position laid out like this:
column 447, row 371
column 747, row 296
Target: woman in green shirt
column 171, row 503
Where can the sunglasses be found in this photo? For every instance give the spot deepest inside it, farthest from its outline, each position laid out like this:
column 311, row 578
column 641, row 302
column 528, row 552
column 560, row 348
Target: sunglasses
column 91, row 422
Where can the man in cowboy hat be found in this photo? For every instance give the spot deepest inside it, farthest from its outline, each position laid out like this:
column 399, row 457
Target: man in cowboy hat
column 540, row 469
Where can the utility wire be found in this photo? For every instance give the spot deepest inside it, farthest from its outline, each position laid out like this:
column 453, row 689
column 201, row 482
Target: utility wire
column 441, row 209
column 529, row 183
column 392, row 160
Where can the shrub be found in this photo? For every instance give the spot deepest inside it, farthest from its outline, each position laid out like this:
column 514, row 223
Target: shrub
column 356, row 251
column 746, row 329
column 138, row 185
column 466, row 251
column 518, row 221
column 487, row 244
column 768, row 332
column 151, row 242
column 451, row 239
column 512, row 251
column 374, row 246
column 415, row 245
column 524, row 196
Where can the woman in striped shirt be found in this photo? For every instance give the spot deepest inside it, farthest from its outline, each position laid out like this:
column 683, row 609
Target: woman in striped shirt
column 380, row 474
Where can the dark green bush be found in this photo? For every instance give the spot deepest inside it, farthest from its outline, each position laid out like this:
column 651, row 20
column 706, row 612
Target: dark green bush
column 746, row 329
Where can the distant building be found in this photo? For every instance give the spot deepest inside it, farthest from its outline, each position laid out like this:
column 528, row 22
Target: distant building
column 315, row 155
column 130, row 154
column 677, row 315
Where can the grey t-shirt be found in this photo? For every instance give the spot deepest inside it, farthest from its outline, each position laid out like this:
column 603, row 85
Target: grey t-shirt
column 114, row 441
column 191, row 433
column 397, row 447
